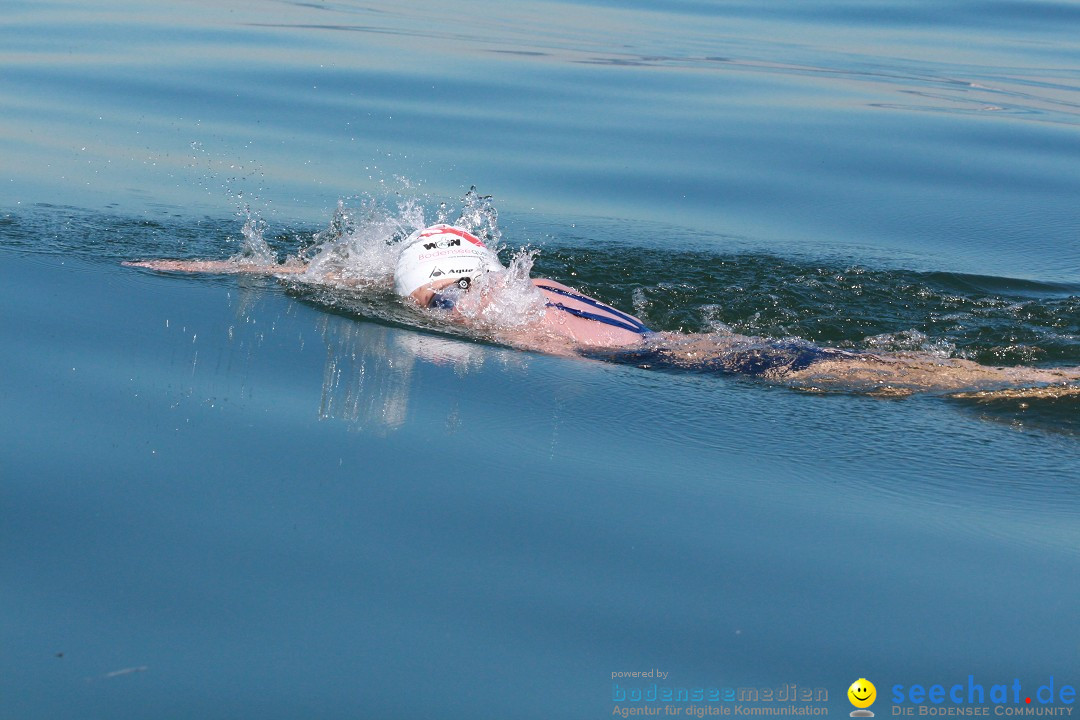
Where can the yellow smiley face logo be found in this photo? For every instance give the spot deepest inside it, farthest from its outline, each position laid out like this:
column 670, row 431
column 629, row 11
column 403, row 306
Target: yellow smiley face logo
column 862, row 693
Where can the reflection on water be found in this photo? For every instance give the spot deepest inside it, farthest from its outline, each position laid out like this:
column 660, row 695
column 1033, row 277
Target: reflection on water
column 365, row 383
column 369, row 373
column 368, row 376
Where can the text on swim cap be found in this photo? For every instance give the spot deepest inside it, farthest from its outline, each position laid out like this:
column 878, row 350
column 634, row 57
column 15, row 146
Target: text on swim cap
column 439, row 273
column 442, row 244
column 448, row 253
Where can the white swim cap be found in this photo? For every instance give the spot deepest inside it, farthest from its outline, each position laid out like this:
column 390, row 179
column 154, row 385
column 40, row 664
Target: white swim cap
column 437, row 252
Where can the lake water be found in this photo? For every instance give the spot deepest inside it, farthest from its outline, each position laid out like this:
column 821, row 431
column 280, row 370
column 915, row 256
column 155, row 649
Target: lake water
column 234, row 497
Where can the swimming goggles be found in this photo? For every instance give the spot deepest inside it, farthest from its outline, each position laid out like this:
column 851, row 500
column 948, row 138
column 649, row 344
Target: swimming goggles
column 446, row 298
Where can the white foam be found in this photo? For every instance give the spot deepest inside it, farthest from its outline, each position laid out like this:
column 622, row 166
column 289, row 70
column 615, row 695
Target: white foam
column 510, row 298
column 362, row 244
column 254, row 250
column 911, row 341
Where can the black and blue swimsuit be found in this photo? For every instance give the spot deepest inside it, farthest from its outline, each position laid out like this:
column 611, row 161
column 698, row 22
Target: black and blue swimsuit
column 602, row 314
column 447, row 298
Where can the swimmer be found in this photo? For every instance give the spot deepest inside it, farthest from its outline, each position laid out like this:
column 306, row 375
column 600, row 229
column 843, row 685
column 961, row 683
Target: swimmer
column 449, row 271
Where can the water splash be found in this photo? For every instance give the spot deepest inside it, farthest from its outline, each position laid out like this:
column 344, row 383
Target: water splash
column 254, row 249
column 362, row 244
column 359, row 248
column 510, row 299
column 479, row 216
column 911, row 341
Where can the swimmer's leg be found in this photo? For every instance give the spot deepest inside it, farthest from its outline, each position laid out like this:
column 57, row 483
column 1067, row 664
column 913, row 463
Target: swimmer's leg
column 905, row 373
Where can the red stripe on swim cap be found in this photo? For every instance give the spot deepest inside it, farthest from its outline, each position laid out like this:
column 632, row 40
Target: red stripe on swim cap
column 453, row 231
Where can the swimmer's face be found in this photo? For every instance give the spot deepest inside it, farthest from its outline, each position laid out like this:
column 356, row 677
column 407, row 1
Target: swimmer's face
column 862, row 693
column 422, row 295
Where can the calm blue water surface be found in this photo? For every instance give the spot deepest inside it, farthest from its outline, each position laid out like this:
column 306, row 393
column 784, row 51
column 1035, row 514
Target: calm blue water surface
column 229, row 497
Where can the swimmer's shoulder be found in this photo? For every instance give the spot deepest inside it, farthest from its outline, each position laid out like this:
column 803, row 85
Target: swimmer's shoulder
column 589, row 321
column 560, row 293
column 543, row 283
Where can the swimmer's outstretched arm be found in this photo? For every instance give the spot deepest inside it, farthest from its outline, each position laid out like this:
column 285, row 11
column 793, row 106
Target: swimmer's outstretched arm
column 220, row 267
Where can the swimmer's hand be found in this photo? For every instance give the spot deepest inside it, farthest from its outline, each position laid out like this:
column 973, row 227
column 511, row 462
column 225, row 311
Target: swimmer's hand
column 220, row 267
